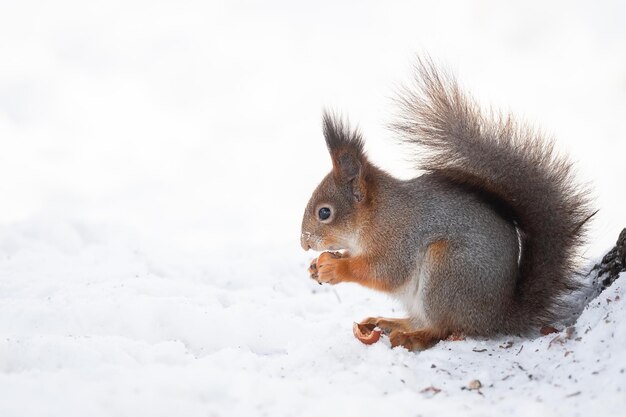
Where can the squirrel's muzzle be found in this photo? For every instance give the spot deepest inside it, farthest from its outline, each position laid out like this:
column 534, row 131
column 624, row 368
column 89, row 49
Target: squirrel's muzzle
column 304, row 241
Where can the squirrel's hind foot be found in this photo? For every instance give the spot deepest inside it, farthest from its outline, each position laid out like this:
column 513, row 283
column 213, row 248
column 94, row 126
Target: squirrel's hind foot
column 402, row 333
column 420, row 339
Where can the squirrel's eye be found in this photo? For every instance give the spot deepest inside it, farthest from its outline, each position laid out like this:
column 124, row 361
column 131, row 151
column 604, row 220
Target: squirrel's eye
column 324, row 213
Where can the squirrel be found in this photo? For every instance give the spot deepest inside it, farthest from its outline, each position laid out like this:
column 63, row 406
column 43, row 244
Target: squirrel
column 484, row 242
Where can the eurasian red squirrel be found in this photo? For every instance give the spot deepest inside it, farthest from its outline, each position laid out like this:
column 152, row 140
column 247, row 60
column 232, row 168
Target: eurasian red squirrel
column 483, row 243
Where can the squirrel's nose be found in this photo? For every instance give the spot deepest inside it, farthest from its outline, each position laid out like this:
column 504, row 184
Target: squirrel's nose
column 304, row 241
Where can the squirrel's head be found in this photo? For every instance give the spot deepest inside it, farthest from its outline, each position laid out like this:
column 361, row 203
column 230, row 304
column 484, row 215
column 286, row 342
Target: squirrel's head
column 331, row 219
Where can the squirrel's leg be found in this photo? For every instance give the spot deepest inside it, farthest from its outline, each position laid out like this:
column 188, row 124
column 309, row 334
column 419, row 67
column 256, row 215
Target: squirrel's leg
column 333, row 268
column 388, row 325
column 417, row 339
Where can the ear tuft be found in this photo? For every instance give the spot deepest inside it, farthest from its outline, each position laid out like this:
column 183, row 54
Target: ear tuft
column 339, row 137
column 345, row 146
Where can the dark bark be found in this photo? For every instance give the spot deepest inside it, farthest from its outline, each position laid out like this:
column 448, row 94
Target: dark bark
column 612, row 264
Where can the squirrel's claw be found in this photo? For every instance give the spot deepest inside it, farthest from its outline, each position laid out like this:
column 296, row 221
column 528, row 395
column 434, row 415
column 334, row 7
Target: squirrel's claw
column 313, row 272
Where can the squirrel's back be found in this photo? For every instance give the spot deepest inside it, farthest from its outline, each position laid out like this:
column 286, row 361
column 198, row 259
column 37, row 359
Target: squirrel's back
column 513, row 170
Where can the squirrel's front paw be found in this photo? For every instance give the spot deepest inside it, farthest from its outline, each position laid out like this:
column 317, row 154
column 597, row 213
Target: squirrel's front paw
column 324, row 269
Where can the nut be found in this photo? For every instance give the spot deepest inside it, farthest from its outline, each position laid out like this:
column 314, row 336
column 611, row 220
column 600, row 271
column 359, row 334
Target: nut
column 366, row 333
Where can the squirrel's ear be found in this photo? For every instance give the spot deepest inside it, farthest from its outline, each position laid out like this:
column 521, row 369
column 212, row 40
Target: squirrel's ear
column 346, row 150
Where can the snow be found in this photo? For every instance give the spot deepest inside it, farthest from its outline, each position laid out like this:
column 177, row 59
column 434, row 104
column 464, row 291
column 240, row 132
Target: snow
column 95, row 322
column 155, row 161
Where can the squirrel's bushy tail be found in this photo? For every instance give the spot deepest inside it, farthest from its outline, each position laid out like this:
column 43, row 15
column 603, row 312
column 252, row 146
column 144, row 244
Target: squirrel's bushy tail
column 513, row 164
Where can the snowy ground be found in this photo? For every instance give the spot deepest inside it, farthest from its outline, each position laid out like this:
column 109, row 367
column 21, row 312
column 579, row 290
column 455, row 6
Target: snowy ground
column 155, row 159
column 95, row 323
